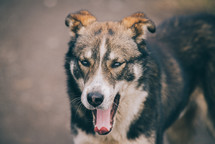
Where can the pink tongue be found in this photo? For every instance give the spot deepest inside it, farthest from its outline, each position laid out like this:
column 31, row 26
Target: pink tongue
column 103, row 124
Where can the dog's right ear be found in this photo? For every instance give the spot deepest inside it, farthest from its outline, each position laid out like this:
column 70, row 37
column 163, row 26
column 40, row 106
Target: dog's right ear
column 77, row 20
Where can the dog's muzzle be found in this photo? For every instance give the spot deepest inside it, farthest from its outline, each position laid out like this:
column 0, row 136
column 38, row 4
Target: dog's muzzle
column 103, row 118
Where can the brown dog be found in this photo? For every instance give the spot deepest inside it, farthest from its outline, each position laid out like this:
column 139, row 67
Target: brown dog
column 126, row 88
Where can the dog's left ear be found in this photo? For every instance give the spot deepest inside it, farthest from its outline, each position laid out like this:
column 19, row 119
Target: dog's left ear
column 75, row 21
column 138, row 23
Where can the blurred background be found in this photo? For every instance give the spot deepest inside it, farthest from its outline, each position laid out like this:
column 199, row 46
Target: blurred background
column 34, row 106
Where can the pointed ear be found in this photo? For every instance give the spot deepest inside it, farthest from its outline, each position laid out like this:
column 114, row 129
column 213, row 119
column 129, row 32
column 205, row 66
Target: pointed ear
column 77, row 20
column 138, row 23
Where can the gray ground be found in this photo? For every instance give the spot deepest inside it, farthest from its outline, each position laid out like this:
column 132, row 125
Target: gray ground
column 34, row 108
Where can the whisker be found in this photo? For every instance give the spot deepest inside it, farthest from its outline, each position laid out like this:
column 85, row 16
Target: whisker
column 78, row 106
column 75, row 100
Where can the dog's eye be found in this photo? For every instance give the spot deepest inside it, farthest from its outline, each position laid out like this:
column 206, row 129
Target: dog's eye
column 116, row 64
column 85, row 63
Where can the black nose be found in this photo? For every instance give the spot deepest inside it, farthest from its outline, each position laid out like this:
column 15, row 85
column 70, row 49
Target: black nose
column 95, row 98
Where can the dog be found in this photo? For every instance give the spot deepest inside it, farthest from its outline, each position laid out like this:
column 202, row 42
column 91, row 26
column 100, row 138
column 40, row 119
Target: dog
column 126, row 87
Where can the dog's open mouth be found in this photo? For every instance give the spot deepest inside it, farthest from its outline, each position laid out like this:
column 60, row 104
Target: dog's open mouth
column 104, row 118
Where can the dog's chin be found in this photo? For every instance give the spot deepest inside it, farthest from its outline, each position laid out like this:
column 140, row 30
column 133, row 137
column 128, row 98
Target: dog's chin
column 104, row 119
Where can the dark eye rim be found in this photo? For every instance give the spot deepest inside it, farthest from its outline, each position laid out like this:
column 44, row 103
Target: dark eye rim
column 116, row 64
column 85, row 62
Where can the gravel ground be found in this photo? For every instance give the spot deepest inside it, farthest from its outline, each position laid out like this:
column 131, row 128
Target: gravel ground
column 34, row 107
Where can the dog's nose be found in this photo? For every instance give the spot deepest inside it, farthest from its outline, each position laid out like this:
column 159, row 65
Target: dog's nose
column 95, row 98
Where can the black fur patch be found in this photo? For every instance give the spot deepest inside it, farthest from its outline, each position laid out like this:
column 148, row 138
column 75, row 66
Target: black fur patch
column 98, row 32
column 111, row 32
column 144, row 124
column 126, row 74
column 85, row 123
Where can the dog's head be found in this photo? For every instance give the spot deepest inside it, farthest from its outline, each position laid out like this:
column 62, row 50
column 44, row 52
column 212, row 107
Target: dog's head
column 105, row 57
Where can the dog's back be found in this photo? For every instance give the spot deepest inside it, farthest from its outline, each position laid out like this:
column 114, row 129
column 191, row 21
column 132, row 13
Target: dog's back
column 191, row 43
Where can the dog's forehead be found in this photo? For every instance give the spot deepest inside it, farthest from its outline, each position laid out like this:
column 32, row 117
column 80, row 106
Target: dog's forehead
column 118, row 40
column 101, row 28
